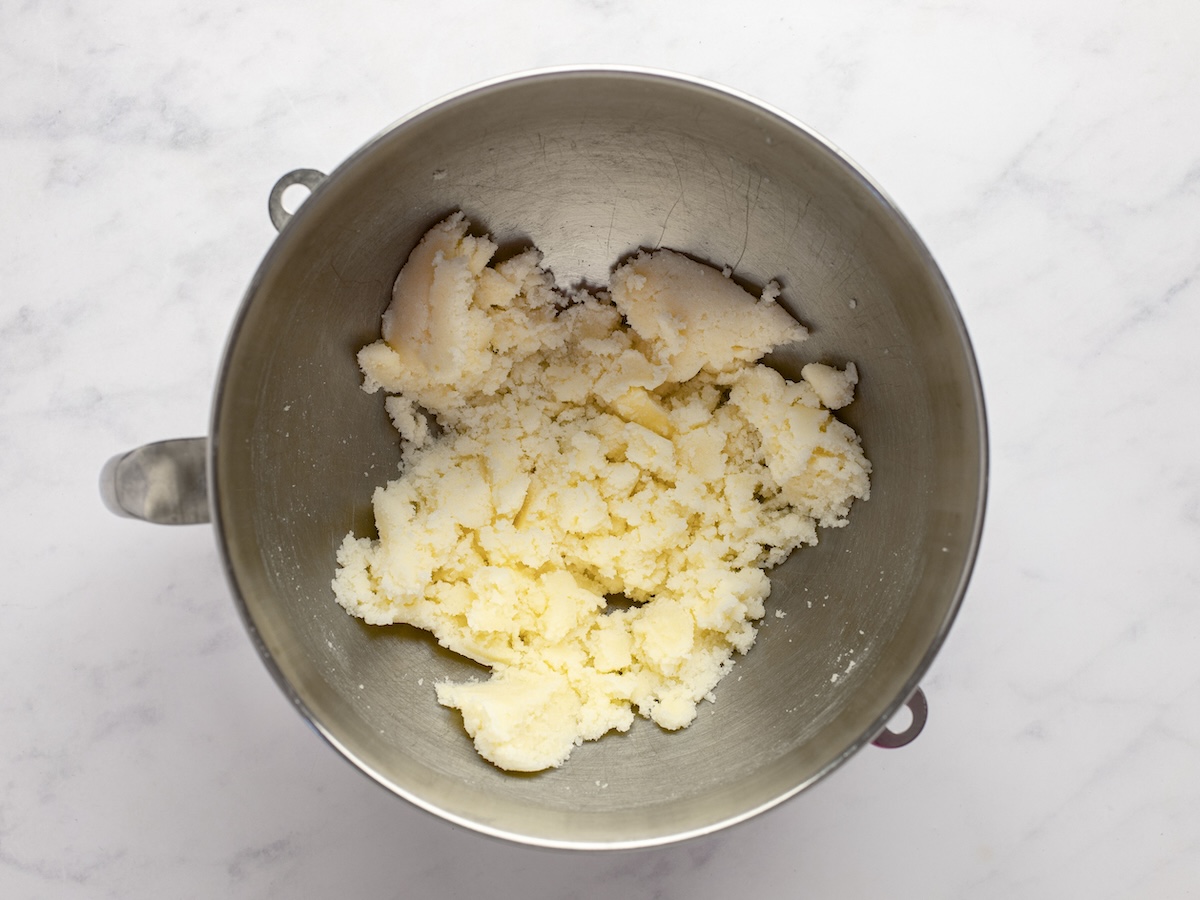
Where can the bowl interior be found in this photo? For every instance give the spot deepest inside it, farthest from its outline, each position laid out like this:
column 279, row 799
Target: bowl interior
column 591, row 166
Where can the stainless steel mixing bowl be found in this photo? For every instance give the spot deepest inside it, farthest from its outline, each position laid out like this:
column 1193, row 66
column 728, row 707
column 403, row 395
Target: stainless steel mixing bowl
column 590, row 165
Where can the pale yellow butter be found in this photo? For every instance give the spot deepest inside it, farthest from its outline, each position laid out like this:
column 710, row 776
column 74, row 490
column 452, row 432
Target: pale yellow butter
column 589, row 446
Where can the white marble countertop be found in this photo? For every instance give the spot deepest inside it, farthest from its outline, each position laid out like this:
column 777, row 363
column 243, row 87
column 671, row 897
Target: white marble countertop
column 1049, row 154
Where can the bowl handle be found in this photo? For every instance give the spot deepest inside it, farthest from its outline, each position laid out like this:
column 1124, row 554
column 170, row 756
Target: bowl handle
column 309, row 178
column 165, row 482
column 920, row 712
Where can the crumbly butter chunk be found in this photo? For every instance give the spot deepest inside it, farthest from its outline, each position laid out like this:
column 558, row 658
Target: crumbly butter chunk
column 593, row 446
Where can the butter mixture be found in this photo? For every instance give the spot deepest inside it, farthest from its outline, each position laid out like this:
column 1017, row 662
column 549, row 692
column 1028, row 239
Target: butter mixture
column 609, row 477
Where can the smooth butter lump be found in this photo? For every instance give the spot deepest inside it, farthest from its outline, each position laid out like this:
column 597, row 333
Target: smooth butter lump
column 592, row 447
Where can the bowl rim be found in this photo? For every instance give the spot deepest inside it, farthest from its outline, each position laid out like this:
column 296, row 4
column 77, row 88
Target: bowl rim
column 308, row 209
